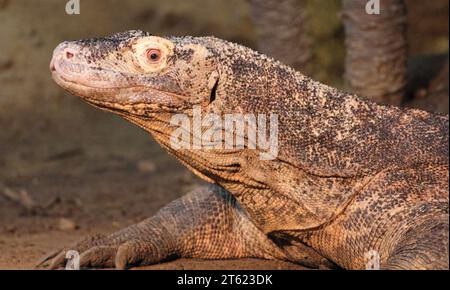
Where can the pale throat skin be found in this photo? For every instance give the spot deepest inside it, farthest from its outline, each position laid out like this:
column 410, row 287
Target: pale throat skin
column 351, row 176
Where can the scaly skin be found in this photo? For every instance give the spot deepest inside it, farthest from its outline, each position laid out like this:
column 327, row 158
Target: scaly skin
column 350, row 176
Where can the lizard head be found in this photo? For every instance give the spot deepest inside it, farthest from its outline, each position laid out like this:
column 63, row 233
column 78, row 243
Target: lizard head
column 148, row 79
column 134, row 73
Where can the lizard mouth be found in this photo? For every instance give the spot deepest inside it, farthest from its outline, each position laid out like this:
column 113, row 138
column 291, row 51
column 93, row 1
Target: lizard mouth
column 94, row 85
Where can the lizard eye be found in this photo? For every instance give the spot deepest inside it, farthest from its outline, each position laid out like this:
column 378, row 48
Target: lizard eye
column 154, row 55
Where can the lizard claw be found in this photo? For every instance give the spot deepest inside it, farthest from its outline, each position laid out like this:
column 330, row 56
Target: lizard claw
column 57, row 259
column 101, row 252
column 43, row 262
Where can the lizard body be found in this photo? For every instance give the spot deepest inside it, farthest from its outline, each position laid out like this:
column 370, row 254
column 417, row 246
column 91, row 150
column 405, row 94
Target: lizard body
column 350, row 176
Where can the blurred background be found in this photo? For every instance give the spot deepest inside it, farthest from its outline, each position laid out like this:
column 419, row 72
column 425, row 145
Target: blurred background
column 67, row 169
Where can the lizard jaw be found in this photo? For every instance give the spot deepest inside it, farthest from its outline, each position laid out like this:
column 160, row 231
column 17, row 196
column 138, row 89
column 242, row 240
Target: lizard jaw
column 94, row 86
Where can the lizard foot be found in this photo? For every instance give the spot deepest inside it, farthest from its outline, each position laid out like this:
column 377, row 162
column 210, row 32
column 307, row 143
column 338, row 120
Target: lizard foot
column 206, row 223
column 101, row 252
column 85, row 248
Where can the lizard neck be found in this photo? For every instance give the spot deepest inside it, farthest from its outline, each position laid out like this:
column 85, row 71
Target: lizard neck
column 330, row 144
column 328, row 132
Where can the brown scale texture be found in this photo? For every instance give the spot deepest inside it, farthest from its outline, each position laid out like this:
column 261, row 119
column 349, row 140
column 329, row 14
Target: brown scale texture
column 350, row 176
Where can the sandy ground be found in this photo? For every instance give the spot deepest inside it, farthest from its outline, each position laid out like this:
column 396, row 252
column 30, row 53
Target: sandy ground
column 64, row 177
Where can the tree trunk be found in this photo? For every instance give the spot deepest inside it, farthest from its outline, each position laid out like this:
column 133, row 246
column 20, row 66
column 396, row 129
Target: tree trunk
column 376, row 63
column 282, row 33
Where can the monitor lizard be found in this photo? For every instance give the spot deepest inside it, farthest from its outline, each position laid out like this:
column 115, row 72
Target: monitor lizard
column 351, row 178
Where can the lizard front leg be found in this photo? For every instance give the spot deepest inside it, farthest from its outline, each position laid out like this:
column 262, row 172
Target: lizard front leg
column 206, row 223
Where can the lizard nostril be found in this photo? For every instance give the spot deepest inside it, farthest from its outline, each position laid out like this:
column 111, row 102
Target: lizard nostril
column 52, row 65
column 69, row 54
